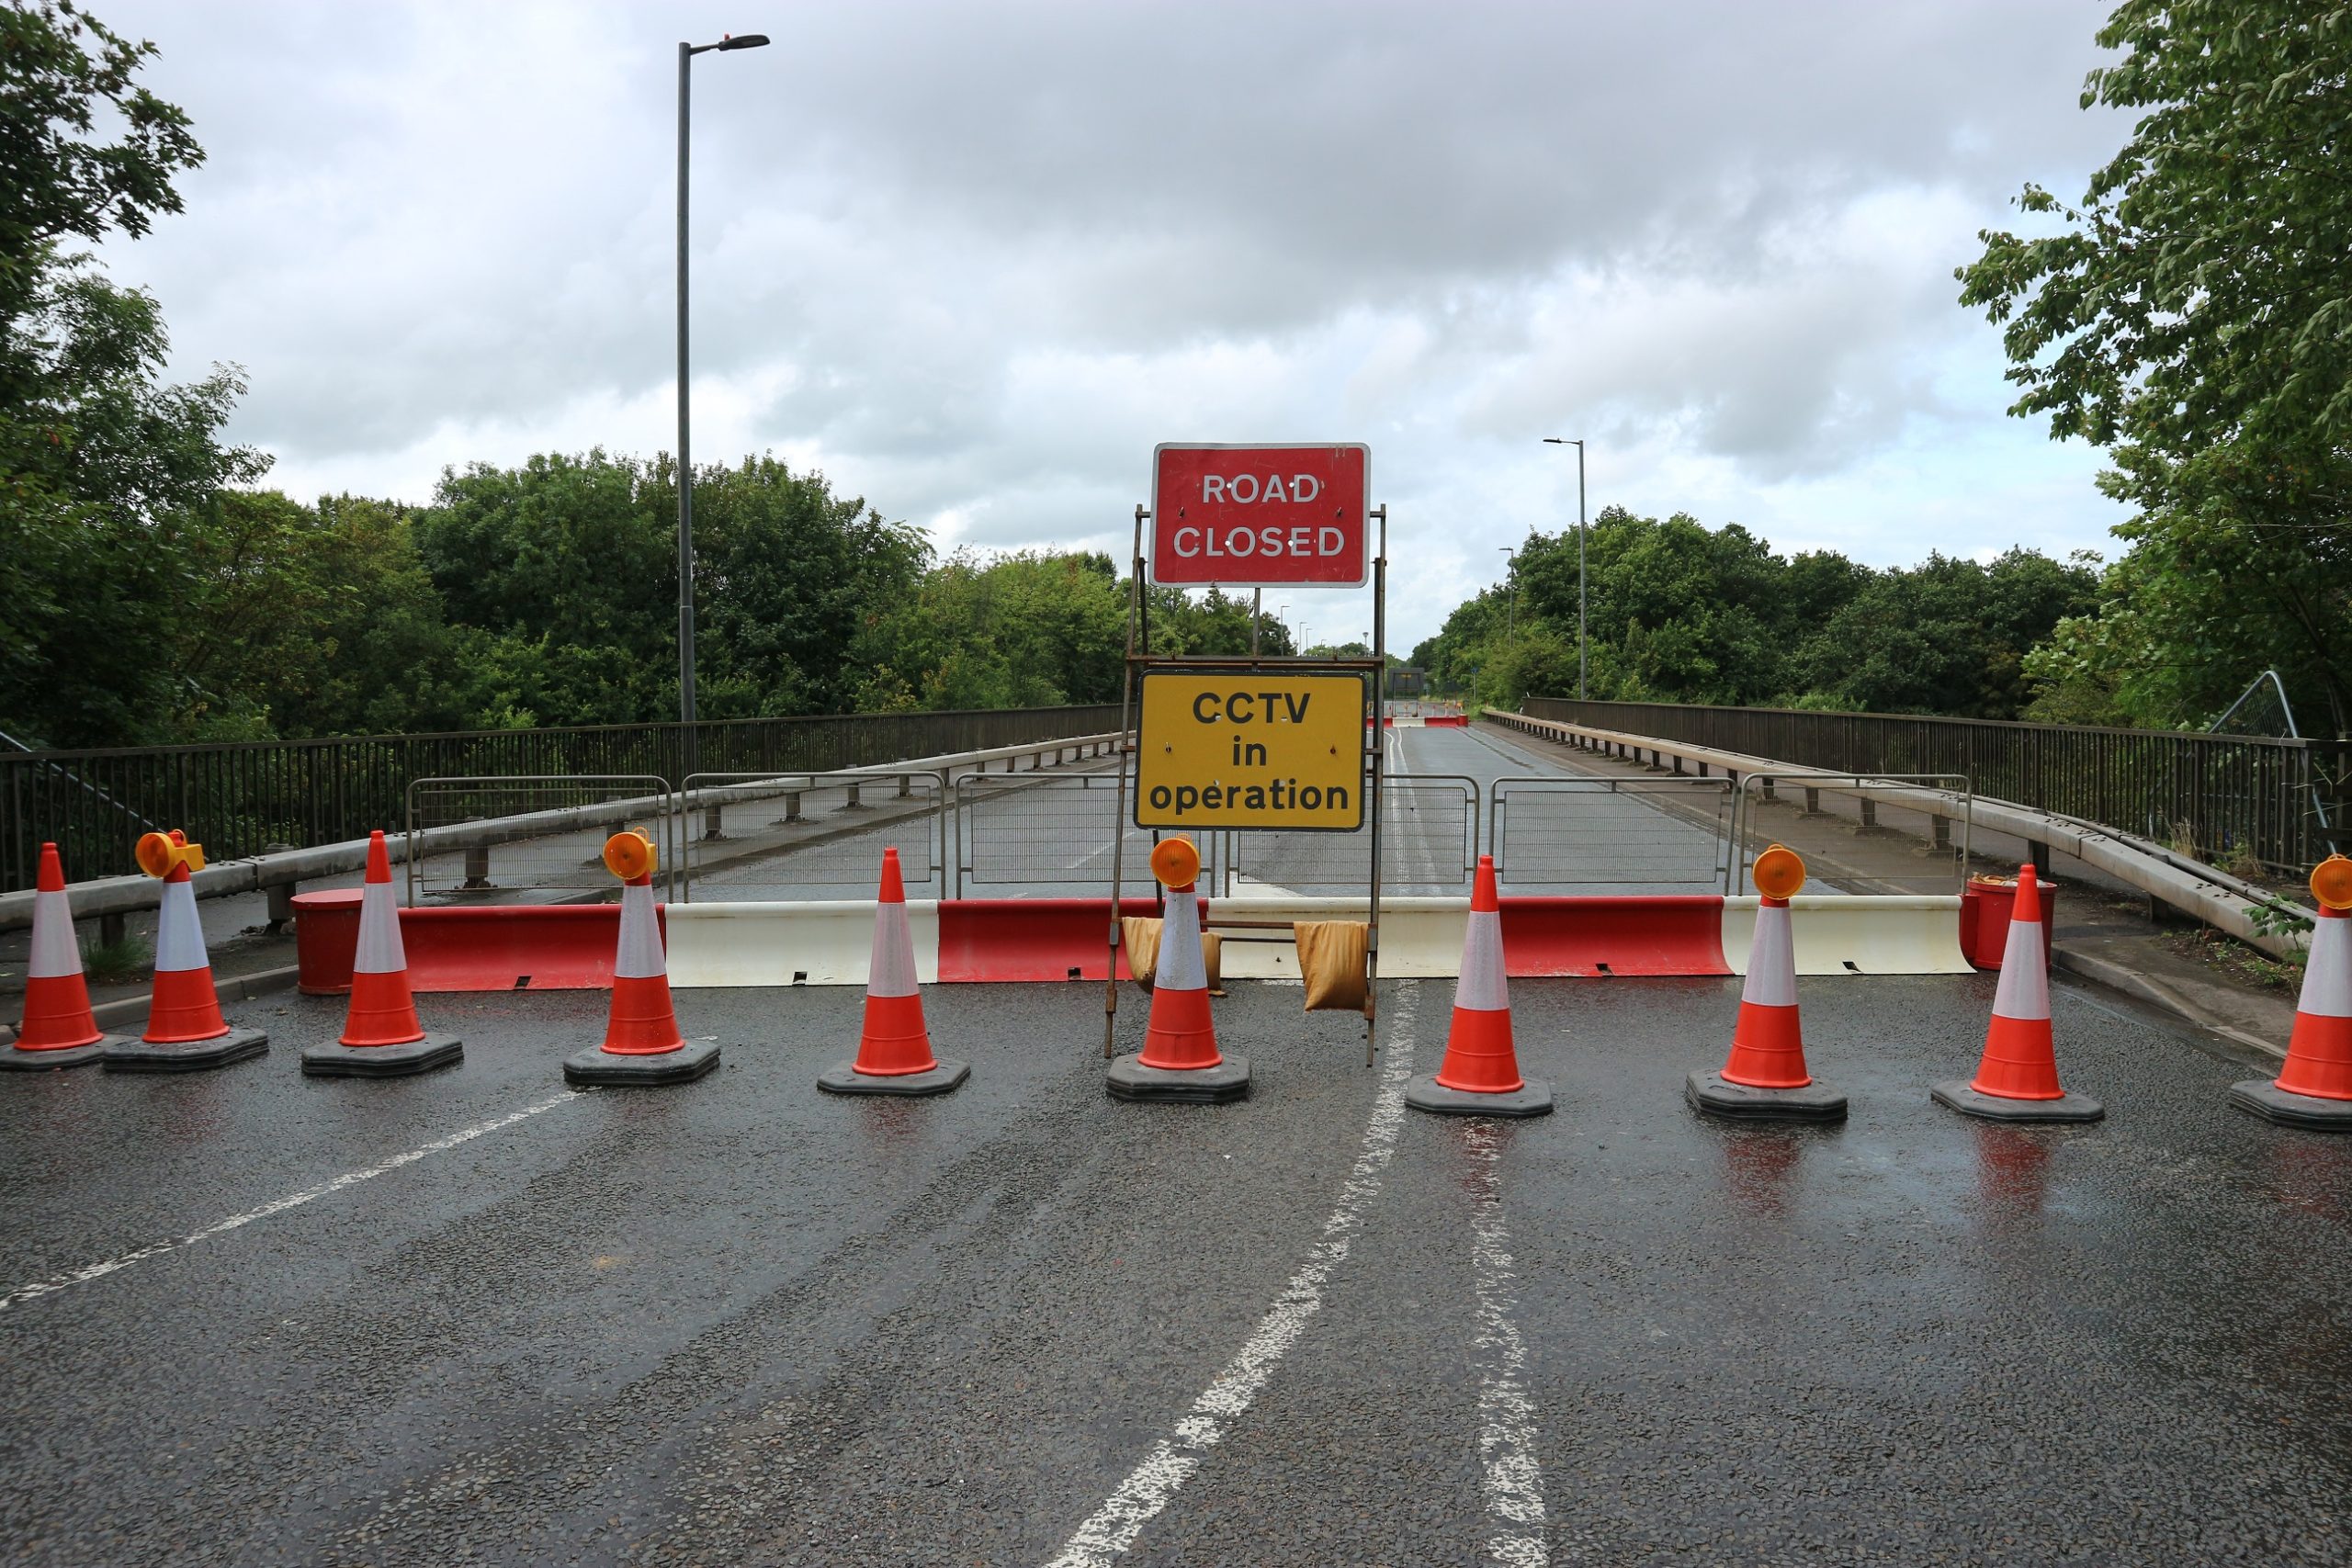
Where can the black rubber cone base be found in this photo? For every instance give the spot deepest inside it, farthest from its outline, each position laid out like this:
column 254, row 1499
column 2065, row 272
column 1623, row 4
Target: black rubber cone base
column 15, row 1060
column 1128, row 1078
column 335, row 1060
column 2268, row 1101
column 844, row 1077
column 1954, row 1094
column 1708, row 1092
column 1531, row 1098
column 191, row 1056
column 599, row 1068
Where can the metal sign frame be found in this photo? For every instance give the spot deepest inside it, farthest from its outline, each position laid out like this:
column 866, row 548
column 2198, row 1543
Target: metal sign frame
column 1376, row 667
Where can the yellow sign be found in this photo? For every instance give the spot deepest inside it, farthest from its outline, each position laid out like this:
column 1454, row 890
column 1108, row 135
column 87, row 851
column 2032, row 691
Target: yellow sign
column 1251, row 751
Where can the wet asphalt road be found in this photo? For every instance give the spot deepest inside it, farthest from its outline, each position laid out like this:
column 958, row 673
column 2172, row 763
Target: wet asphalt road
column 741, row 1322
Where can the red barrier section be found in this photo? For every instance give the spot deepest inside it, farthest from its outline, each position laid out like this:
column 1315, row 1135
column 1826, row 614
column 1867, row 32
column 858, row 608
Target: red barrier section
column 1984, row 906
column 1447, row 721
column 1616, row 936
column 327, row 937
column 493, row 947
column 1030, row 939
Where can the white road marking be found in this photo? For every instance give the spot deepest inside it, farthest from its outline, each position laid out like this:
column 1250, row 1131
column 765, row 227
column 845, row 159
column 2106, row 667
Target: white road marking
column 1149, row 1487
column 82, row 1275
column 1513, row 1482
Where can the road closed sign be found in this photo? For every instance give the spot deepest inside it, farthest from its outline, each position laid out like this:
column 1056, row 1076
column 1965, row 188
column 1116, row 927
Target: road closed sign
column 1251, row 751
column 1261, row 517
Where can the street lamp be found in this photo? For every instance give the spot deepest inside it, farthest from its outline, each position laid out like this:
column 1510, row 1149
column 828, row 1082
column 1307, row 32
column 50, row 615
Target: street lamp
column 1510, row 622
column 686, row 52
column 1577, row 442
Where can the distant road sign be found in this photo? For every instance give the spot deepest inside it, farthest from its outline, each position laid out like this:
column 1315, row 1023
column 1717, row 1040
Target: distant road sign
column 1251, row 751
column 1245, row 516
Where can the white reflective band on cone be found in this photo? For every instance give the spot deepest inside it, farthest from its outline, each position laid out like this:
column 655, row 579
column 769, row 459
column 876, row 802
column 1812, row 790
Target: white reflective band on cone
column 891, row 970
column 1772, row 961
column 2327, row 970
column 2024, row 990
column 1482, row 986
column 1180, row 968
column 54, row 952
column 381, row 951
column 179, row 936
column 641, row 949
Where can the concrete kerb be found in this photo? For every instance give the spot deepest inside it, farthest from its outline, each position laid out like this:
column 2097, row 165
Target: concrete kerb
column 2204, row 894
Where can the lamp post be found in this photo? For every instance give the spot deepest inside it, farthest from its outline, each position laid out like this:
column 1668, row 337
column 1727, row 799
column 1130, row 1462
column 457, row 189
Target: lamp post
column 686, row 52
column 1510, row 620
column 1577, row 442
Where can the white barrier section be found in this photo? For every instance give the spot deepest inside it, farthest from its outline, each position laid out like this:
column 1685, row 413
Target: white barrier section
column 826, row 942
column 1875, row 935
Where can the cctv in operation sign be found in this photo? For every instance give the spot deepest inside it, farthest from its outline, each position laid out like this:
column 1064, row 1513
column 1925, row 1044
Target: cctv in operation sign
column 1251, row 751
column 1246, row 516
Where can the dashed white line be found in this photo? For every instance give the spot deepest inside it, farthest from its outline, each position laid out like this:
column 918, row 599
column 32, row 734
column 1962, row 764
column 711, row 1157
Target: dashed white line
column 1149, row 1487
column 1514, row 1481
column 82, row 1275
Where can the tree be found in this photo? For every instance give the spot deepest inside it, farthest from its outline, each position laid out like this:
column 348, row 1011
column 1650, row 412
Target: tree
column 2194, row 314
column 100, row 463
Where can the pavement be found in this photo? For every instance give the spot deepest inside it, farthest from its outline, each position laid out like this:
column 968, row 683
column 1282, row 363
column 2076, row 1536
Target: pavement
column 256, row 1318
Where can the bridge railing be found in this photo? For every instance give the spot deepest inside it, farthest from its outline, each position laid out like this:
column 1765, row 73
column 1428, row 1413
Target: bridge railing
column 245, row 798
column 2219, row 798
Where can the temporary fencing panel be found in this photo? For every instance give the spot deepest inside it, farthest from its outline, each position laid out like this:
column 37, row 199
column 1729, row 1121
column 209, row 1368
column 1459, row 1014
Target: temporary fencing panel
column 754, row 836
column 541, row 840
column 1028, row 832
column 1429, row 844
column 1631, row 835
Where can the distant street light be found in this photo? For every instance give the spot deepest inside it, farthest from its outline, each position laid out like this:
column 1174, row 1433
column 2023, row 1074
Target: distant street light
column 1510, row 621
column 686, row 52
column 1577, row 442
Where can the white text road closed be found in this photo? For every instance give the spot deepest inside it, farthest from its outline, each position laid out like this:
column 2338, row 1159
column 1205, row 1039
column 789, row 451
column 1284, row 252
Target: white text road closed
column 1261, row 517
column 1251, row 751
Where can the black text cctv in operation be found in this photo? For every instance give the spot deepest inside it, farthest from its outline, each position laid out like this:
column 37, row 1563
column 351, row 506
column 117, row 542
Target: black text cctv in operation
column 1249, row 489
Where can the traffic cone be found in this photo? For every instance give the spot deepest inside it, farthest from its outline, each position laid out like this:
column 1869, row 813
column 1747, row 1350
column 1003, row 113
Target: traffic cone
column 57, row 1030
column 1180, row 1061
column 2314, row 1089
column 2017, row 1079
column 185, row 1029
column 1765, row 1078
column 894, row 1050
column 381, row 1037
column 1480, row 1074
column 642, row 1045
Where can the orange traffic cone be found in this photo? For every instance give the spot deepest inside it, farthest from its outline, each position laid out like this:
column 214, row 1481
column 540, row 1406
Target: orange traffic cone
column 185, row 1029
column 642, row 1045
column 2314, row 1089
column 1765, row 1077
column 1480, row 1074
column 381, row 1036
column 57, row 1030
column 2017, row 1079
column 1179, row 1060
column 894, row 1052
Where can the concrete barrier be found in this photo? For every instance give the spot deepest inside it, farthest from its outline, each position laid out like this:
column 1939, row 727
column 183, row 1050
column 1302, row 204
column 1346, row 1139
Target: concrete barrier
column 1855, row 934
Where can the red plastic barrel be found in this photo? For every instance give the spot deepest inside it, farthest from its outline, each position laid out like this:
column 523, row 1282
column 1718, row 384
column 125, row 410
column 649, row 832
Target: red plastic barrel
column 326, row 941
column 1984, row 917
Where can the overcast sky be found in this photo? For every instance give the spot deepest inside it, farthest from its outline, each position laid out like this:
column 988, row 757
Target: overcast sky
column 973, row 260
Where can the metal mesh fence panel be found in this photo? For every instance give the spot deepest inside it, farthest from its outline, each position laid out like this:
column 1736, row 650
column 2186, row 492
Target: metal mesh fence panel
column 1658, row 835
column 1023, row 833
column 542, row 840
column 811, row 836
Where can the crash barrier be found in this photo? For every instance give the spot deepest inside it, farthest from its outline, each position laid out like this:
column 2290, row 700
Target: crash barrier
column 829, row 942
column 2204, row 892
column 762, row 834
column 281, row 872
column 553, row 828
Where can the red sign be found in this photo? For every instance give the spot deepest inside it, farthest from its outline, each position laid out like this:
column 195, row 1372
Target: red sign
column 1261, row 517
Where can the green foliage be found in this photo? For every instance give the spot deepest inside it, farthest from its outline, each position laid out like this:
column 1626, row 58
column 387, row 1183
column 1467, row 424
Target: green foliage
column 1682, row 613
column 2193, row 313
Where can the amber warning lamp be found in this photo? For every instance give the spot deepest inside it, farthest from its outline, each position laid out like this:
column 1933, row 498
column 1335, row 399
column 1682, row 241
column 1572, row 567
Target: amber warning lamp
column 1779, row 873
column 629, row 854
